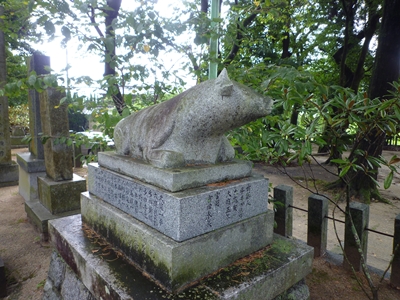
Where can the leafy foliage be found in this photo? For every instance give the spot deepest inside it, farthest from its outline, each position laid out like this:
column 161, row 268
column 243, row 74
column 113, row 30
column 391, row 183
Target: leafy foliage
column 19, row 116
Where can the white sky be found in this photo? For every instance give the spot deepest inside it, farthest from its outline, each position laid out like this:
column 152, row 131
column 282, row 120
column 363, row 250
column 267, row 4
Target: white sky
column 87, row 64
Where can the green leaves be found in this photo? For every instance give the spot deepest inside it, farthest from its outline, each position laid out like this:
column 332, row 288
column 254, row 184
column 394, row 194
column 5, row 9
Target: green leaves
column 49, row 27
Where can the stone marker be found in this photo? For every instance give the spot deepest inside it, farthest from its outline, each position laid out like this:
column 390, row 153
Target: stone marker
column 32, row 163
column 58, row 156
column 283, row 194
column 317, row 228
column 8, row 168
column 360, row 215
column 59, row 190
column 38, row 63
column 179, row 208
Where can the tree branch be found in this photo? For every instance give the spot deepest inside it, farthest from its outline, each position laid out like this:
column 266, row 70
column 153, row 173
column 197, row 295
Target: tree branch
column 92, row 18
column 239, row 36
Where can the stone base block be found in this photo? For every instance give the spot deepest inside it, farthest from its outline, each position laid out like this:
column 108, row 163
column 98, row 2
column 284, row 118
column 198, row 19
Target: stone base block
column 30, row 168
column 8, row 174
column 83, row 271
column 61, row 196
column 39, row 216
column 175, row 180
column 175, row 264
column 186, row 214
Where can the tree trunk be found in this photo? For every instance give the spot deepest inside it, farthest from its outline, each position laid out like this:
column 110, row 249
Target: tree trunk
column 386, row 70
column 110, row 63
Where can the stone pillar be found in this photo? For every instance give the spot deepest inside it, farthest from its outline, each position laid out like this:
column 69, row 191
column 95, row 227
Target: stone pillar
column 8, row 169
column 59, row 191
column 395, row 274
column 32, row 163
column 360, row 215
column 317, row 229
column 283, row 213
column 38, row 64
column 58, row 156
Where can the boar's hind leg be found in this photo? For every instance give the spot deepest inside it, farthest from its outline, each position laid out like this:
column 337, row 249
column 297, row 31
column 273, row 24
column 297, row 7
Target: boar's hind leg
column 166, row 159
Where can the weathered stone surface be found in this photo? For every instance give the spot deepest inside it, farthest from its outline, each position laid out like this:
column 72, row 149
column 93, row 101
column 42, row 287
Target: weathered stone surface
column 61, row 196
column 276, row 270
column 58, row 156
column 175, row 180
column 37, row 62
column 30, row 168
column 317, row 227
column 185, row 214
column 359, row 213
column 63, row 283
column 283, row 194
column 40, row 215
column 8, row 168
column 9, row 174
column 189, row 128
column 5, row 146
column 172, row 263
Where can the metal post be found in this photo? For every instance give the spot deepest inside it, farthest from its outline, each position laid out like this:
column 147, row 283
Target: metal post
column 213, row 65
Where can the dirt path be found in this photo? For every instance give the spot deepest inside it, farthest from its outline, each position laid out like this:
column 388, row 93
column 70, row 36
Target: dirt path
column 27, row 259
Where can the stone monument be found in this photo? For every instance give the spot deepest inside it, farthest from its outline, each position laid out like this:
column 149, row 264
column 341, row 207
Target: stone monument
column 8, row 168
column 59, row 190
column 172, row 214
column 31, row 164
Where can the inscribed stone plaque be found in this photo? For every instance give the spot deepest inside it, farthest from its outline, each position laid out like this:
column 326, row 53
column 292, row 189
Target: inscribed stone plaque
column 58, row 156
column 181, row 215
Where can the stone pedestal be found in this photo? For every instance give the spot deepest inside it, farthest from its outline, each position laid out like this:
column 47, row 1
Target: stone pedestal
column 30, row 168
column 61, row 196
column 140, row 241
column 9, row 174
column 83, row 268
column 56, row 199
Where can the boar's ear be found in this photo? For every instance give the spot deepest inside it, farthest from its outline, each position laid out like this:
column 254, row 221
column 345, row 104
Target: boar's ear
column 223, row 84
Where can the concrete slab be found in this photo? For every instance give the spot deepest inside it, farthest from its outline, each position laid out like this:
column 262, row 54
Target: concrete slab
column 175, row 264
column 186, row 214
column 39, row 216
column 264, row 275
column 175, row 180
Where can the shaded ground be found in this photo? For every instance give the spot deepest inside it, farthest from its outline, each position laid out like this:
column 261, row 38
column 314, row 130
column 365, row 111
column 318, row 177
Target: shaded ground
column 27, row 259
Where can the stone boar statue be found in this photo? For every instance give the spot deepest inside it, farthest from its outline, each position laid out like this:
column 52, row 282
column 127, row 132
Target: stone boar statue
column 189, row 128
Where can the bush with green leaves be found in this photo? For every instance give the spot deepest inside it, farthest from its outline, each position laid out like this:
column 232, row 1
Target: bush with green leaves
column 325, row 116
column 19, row 116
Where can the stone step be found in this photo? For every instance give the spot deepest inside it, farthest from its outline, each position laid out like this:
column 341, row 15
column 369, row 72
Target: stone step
column 83, row 272
column 175, row 264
